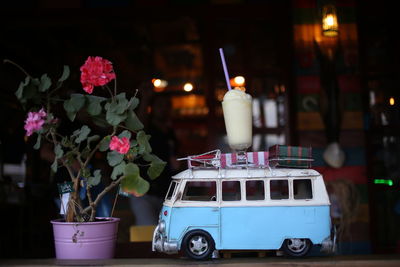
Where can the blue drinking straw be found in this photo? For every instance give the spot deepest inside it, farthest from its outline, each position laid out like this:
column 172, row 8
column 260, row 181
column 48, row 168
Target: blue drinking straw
column 221, row 52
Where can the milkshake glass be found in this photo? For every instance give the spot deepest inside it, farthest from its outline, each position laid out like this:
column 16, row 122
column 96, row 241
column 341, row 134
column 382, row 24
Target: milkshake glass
column 237, row 108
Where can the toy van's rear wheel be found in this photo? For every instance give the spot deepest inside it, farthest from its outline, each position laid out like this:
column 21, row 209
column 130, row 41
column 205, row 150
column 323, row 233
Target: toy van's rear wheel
column 296, row 247
column 198, row 245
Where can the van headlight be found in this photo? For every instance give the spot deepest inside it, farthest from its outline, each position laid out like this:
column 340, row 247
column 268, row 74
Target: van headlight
column 161, row 226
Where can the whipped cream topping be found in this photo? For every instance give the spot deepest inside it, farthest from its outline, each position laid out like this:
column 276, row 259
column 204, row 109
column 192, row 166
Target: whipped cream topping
column 236, row 94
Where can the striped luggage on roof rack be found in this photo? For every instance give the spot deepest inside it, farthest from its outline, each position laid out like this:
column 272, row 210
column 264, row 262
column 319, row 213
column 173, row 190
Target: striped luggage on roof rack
column 254, row 159
column 214, row 159
column 290, row 156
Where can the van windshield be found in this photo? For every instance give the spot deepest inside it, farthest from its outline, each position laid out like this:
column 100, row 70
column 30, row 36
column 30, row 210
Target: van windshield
column 171, row 190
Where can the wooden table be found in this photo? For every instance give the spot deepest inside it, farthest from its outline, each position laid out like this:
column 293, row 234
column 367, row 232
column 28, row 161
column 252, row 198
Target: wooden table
column 337, row 261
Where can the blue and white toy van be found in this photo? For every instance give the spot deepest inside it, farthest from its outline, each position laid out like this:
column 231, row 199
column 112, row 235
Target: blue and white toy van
column 220, row 204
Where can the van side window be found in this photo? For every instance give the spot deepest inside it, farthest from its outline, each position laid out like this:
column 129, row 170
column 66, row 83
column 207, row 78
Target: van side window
column 255, row 190
column 279, row 189
column 171, row 190
column 231, row 191
column 200, row 191
column 302, row 189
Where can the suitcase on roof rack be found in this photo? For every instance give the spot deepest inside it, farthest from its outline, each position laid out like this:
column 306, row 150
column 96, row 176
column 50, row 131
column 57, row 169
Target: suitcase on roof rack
column 290, row 156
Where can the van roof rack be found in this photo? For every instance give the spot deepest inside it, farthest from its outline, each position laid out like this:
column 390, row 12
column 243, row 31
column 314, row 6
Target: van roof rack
column 211, row 159
column 216, row 160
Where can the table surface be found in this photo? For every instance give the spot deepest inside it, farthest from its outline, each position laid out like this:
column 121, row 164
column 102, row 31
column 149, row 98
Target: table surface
column 353, row 261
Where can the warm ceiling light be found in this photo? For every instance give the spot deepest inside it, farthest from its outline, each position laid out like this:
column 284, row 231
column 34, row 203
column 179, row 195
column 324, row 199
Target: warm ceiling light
column 330, row 25
column 391, row 101
column 239, row 80
column 188, row 87
column 158, row 83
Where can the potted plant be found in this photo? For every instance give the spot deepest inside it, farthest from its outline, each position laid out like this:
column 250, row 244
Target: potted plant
column 82, row 235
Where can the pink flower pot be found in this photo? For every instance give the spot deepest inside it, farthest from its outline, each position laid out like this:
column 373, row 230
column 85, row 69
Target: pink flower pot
column 89, row 240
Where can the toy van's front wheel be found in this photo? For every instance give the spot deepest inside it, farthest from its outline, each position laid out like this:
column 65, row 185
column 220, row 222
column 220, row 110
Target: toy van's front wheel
column 198, row 245
column 296, row 247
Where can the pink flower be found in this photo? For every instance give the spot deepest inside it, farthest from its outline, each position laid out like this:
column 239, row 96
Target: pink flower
column 96, row 71
column 120, row 145
column 34, row 121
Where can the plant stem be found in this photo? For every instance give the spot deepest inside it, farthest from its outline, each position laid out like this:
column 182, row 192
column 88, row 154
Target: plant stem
column 73, row 199
column 115, row 85
column 111, row 94
column 91, row 204
column 105, row 191
column 55, row 142
column 92, row 214
column 126, row 128
column 115, row 201
column 74, row 195
column 18, row 66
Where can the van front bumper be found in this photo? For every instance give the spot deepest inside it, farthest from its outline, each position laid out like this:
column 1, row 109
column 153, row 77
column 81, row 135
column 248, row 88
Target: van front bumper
column 329, row 243
column 327, row 246
column 161, row 244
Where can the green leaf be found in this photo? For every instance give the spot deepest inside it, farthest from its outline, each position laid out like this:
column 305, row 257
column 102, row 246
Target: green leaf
column 81, row 134
column 54, row 166
column 85, row 173
column 105, row 143
column 45, row 83
column 155, row 169
column 156, row 166
column 94, row 108
column 132, row 122
column 65, row 74
column 58, row 151
column 35, row 82
column 20, row 92
column 143, row 142
column 114, row 158
column 95, row 179
column 116, row 110
column 133, row 103
column 132, row 169
column 133, row 151
column 109, row 105
column 151, row 157
column 118, row 170
column 119, row 105
column 133, row 182
column 114, row 118
column 38, row 141
column 122, row 105
column 73, row 105
column 71, row 115
column 134, row 142
column 126, row 134
column 28, row 91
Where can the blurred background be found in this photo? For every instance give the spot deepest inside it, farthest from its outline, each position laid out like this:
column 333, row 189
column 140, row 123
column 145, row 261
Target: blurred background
column 323, row 74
